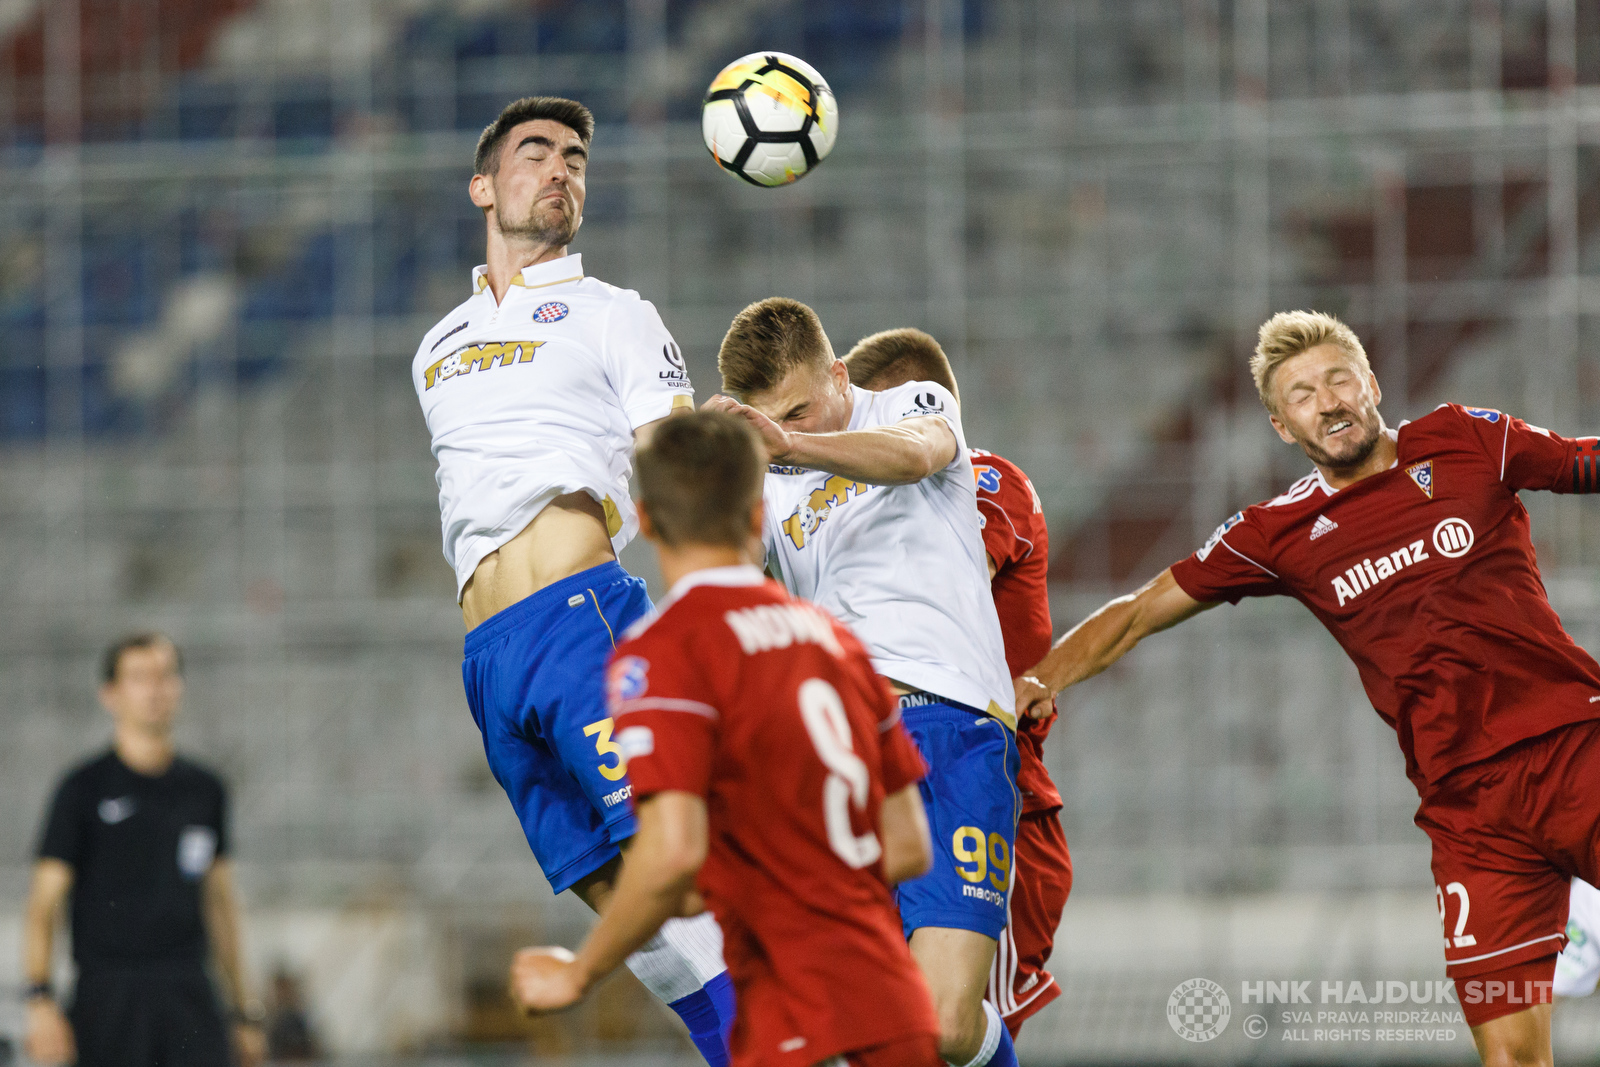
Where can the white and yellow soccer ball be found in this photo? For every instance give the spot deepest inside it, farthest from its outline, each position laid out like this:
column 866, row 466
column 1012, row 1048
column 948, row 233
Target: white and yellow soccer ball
column 769, row 118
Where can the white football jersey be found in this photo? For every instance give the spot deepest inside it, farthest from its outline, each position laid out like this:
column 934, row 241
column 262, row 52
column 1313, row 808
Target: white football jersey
column 902, row 565
column 539, row 396
column 1578, row 966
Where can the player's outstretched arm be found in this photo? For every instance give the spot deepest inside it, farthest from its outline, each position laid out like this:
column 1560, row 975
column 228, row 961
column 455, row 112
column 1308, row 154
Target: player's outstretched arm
column 657, row 877
column 907, row 844
column 1103, row 638
column 899, row 454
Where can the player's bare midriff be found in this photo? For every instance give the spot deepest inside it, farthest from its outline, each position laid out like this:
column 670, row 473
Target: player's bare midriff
column 567, row 536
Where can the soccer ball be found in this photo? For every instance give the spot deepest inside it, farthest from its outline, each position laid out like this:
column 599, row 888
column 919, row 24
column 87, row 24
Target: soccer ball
column 769, row 118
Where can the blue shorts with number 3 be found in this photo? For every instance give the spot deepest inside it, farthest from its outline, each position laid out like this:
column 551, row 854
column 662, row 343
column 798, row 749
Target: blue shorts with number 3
column 535, row 680
column 971, row 797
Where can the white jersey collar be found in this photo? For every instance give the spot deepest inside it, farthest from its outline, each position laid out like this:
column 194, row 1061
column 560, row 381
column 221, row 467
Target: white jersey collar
column 539, row 276
column 742, row 574
column 860, row 400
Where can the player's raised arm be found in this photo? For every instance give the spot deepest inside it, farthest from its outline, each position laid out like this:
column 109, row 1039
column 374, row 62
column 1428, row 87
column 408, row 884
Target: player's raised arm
column 658, row 876
column 1103, row 638
column 899, row 454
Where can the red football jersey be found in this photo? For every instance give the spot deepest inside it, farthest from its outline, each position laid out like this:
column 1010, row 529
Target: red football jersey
column 1426, row 575
column 1016, row 538
column 769, row 709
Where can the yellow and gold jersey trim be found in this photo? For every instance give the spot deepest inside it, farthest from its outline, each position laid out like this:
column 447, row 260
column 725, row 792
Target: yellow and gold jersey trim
column 481, row 281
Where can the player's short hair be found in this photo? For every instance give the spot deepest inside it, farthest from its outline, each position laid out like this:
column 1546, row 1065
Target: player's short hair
column 766, row 341
column 894, row 357
column 569, row 113
column 1289, row 333
column 111, row 660
column 699, row 476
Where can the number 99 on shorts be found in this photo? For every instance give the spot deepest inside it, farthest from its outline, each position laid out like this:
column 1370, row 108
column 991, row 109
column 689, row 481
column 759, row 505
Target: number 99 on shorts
column 979, row 857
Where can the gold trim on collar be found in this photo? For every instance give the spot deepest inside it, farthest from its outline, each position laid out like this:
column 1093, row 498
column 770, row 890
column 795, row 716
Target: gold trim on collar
column 545, row 285
column 516, row 279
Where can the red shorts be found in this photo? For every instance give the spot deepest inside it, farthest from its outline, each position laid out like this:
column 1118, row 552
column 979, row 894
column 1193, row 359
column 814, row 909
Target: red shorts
column 919, row 1051
column 1041, row 880
column 1508, row 835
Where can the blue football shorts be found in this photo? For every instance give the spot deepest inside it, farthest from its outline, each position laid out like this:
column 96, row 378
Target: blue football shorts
column 971, row 797
column 535, row 681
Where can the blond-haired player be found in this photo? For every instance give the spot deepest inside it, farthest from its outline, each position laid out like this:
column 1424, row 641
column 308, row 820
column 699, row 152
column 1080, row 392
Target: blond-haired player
column 1411, row 547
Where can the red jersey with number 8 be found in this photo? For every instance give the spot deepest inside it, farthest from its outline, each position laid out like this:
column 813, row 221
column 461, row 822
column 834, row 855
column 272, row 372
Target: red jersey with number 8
column 1426, row 575
column 769, row 709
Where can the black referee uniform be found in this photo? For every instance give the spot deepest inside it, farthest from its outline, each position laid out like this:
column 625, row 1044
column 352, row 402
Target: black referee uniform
column 139, row 847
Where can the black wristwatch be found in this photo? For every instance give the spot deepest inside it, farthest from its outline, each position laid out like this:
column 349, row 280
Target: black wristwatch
column 39, row 991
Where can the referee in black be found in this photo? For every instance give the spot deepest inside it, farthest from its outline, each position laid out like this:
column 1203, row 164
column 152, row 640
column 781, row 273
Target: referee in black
column 138, row 837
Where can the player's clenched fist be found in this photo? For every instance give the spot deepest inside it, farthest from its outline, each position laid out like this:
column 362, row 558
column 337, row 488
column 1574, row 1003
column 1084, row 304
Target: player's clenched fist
column 1034, row 698
column 545, row 979
column 774, row 437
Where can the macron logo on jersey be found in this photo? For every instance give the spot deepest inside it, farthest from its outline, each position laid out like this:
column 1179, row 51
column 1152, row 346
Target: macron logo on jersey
column 769, row 626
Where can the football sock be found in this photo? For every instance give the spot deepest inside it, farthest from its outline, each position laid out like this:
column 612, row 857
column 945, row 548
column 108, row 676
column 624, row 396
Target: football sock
column 998, row 1049
column 708, row 1014
column 681, row 958
column 682, row 965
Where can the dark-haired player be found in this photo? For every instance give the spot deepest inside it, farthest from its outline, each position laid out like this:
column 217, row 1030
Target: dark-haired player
column 770, row 769
column 138, row 838
column 534, row 390
column 1018, row 545
column 1412, row 548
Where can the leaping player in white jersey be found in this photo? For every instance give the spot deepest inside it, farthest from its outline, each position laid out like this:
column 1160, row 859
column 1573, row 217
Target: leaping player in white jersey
column 533, row 390
column 872, row 514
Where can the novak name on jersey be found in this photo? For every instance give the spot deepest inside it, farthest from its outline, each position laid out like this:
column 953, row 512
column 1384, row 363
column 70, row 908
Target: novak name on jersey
column 538, row 396
column 1426, row 575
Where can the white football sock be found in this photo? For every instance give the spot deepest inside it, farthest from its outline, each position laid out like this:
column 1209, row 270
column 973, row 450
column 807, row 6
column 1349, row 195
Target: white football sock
column 991, row 1037
column 682, row 958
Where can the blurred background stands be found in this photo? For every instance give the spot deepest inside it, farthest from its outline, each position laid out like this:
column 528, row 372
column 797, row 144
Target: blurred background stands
column 227, row 224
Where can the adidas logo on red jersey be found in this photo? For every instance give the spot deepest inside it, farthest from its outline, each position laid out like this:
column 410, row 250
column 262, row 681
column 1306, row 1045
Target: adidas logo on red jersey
column 1321, row 526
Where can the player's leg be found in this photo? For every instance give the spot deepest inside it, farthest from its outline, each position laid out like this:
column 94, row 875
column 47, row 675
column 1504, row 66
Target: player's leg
column 1502, row 905
column 954, row 914
column 956, row 965
column 1521, row 1039
column 682, row 965
column 1019, row 986
column 535, row 680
